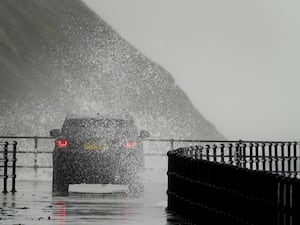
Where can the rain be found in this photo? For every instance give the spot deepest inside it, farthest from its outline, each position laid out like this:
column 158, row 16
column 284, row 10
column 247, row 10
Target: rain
column 228, row 72
column 58, row 58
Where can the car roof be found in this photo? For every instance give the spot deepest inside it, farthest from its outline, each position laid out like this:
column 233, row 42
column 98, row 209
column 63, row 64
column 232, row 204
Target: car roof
column 100, row 116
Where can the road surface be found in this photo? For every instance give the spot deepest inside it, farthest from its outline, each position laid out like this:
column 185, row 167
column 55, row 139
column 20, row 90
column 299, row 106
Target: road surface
column 86, row 204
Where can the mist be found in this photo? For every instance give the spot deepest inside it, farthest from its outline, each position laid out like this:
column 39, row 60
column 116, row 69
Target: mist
column 236, row 60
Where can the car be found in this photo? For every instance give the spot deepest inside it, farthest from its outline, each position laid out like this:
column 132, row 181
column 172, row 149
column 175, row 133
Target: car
column 100, row 149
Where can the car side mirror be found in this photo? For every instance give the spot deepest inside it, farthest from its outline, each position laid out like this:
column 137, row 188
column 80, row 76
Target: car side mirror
column 144, row 134
column 55, row 133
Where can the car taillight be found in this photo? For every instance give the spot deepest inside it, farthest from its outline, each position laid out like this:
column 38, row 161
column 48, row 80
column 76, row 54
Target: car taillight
column 62, row 143
column 131, row 144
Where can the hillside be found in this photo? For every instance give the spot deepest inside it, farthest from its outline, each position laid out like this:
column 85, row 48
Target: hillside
column 58, row 57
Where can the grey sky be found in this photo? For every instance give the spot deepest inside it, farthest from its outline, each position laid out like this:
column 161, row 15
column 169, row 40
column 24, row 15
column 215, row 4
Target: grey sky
column 237, row 60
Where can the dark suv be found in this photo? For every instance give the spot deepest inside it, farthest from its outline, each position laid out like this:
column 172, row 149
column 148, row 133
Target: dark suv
column 97, row 150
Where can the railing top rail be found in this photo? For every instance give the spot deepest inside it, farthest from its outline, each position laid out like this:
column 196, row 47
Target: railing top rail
column 6, row 143
column 26, row 137
column 219, row 141
column 168, row 140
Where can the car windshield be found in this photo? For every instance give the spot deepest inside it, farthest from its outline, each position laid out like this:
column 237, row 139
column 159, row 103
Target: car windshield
column 111, row 129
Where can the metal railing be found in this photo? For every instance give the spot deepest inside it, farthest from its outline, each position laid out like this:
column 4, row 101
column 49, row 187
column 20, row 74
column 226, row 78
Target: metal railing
column 5, row 160
column 173, row 143
column 276, row 156
column 35, row 150
column 238, row 182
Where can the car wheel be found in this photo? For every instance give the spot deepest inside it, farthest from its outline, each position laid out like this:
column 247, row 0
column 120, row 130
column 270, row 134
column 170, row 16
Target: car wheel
column 136, row 189
column 60, row 185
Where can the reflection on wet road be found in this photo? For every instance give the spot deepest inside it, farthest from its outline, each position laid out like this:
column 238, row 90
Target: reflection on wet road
column 86, row 204
column 33, row 202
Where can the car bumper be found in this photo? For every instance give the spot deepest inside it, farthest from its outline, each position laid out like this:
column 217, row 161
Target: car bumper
column 79, row 166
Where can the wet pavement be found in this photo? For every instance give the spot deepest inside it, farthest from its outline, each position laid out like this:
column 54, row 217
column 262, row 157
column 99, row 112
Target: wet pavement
column 33, row 203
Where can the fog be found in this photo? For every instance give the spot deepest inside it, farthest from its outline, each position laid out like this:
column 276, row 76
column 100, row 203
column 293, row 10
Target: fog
column 236, row 60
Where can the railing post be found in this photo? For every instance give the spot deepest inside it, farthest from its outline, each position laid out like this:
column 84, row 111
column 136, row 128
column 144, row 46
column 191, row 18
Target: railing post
column 230, row 155
column 35, row 155
column 207, row 147
column 289, row 159
column 238, row 153
column 270, row 157
column 201, row 151
column 215, row 152
column 5, row 156
column 243, row 156
column 222, row 153
column 251, row 155
column 295, row 159
column 282, row 158
column 13, row 186
column 276, row 157
column 263, row 155
column 172, row 144
column 257, row 161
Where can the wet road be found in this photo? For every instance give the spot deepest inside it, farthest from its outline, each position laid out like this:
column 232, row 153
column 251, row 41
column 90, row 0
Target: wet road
column 86, row 204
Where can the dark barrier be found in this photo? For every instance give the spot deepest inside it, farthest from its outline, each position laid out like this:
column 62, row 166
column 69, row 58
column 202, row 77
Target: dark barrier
column 276, row 157
column 233, row 183
column 8, row 160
